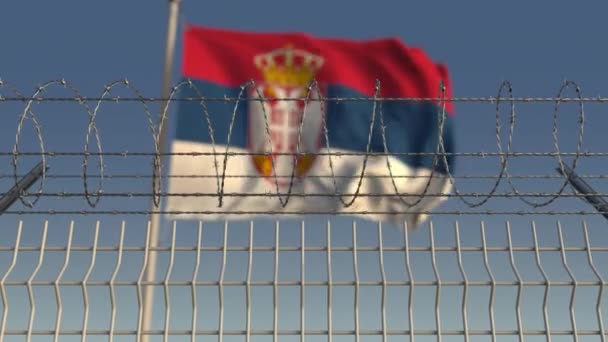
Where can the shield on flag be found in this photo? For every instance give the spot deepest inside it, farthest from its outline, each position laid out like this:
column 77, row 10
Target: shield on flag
column 285, row 128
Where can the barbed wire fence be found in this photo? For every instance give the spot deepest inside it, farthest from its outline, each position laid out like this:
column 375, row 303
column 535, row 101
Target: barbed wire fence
column 497, row 261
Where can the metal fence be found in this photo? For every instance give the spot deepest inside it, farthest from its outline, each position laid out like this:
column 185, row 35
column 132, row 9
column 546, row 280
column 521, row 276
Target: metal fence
column 512, row 255
column 368, row 286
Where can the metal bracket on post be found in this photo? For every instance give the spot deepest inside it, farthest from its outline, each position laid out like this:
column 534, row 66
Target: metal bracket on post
column 155, row 218
column 22, row 185
column 590, row 195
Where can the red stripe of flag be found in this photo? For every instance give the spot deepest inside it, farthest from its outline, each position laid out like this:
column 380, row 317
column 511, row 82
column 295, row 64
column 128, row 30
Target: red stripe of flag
column 226, row 57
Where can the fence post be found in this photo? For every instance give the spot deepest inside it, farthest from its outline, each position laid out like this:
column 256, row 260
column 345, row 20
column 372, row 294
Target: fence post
column 155, row 218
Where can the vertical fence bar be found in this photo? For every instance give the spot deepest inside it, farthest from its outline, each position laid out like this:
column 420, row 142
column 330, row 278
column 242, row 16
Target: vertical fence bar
column 3, row 281
column 302, row 283
column 140, row 298
column 220, row 335
column 438, row 278
column 197, row 264
column 520, row 283
column 465, row 290
column 330, row 325
column 383, row 277
column 410, row 275
column 113, row 279
column 58, row 281
column 30, row 289
column 85, row 291
column 356, row 271
column 248, row 284
column 574, row 282
column 547, row 283
column 166, row 282
column 598, row 305
column 486, row 263
column 275, row 286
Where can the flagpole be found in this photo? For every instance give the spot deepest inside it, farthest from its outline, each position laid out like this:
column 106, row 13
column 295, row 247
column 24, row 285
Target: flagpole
column 155, row 218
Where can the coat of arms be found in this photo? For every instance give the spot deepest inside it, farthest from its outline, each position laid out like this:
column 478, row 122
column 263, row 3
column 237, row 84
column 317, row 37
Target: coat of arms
column 287, row 74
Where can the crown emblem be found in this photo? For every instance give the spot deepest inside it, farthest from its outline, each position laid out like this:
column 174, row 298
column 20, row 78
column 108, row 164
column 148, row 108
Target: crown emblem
column 288, row 66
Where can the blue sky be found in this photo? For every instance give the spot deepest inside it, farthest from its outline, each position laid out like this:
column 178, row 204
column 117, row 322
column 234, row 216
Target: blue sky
column 536, row 45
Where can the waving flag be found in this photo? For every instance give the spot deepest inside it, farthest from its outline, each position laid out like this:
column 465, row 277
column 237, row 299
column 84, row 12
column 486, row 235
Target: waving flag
column 305, row 151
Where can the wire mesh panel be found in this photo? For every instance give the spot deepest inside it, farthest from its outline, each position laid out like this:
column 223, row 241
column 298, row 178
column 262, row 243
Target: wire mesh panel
column 512, row 254
column 309, row 280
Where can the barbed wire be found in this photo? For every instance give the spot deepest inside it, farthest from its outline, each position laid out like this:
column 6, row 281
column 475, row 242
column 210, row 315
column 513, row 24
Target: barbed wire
column 244, row 176
column 440, row 155
column 64, row 194
column 316, row 154
column 243, row 213
column 488, row 99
